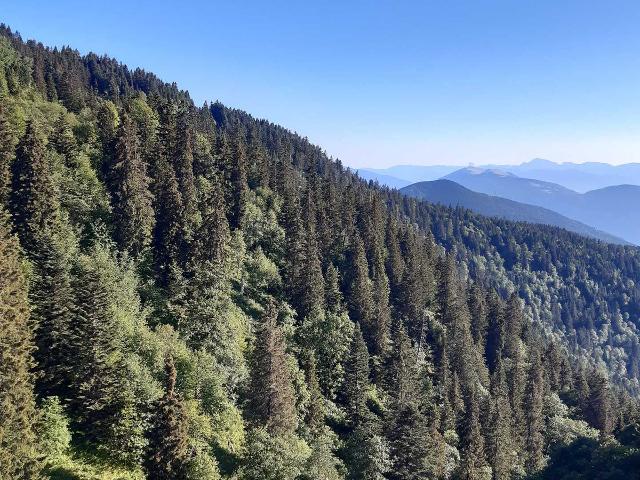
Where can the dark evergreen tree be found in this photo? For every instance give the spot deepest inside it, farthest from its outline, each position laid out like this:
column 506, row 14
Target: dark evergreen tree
column 19, row 456
column 407, row 431
column 33, row 200
column 360, row 300
column 473, row 460
column 7, row 150
column 534, row 442
column 500, row 445
column 168, row 451
column 52, row 303
column 598, row 411
column 356, row 379
column 98, row 384
column 271, row 393
column 131, row 197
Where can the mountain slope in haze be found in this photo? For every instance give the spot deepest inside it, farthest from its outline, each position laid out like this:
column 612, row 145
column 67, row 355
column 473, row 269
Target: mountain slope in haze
column 382, row 179
column 447, row 192
column 580, row 177
column 609, row 209
column 415, row 173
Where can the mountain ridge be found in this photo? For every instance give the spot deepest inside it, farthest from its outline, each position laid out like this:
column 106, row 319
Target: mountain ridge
column 450, row 193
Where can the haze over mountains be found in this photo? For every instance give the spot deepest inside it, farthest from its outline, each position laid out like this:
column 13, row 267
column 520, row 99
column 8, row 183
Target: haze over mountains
column 450, row 193
column 580, row 177
column 609, row 209
column 589, row 198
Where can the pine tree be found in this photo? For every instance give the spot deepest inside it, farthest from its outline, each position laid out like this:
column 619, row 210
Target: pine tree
column 52, row 301
column 361, row 306
column 382, row 310
column 333, row 297
column 599, row 410
column 238, row 180
column 271, row 395
column 33, row 201
column 356, row 379
column 19, row 458
column 7, row 148
column 494, row 345
column 97, row 369
column 500, row 445
column 316, row 409
column 183, row 165
column 167, row 234
column 533, row 415
column 131, row 197
column 415, row 288
column 471, row 440
column 407, row 432
column 168, row 451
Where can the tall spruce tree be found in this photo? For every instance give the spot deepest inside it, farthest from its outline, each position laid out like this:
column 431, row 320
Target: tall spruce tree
column 407, row 430
column 51, row 299
column 97, row 369
column 33, row 199
column 356, row 379
column 473, row 461
column 7, row 150
column 19, row 456
column 500, row 447
column 168, row 450
column 361, row 307
column 131, row 197
column 534, row 441
column 271, row 395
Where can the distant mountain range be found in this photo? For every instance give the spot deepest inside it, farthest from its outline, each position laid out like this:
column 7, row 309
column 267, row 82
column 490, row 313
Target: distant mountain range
column 611, row 209
column 383, row 179
column 447, row 192
column 580, row 177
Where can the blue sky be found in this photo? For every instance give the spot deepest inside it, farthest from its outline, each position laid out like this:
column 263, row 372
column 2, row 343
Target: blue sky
column 378, row 83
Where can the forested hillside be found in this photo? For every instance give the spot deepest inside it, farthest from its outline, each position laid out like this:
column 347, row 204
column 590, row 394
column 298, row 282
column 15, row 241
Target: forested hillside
column 190, row 293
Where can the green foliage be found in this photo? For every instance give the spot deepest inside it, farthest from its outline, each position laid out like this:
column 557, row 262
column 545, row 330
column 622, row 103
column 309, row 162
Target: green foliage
column 274, row 457
column 53, row 429
column 18, row 416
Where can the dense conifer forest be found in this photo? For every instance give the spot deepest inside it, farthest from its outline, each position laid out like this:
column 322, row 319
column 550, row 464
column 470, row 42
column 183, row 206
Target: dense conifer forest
column 191, row 293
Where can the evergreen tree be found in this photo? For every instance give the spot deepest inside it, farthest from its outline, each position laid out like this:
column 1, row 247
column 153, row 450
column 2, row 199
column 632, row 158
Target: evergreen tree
column 471, row 441
column 271, row 394
column 7, row 147
column 52, row 302
column 500, row 445
column 131, row 197
column 356, row 379
column 407, row 432
column 167, row 234
column 238, row 180
column 361, row 307
column 599, row 410
column 98, row 383
column 533, row 415
column 382, row 311
column 33, row 201
column 168, row 451
column 19, row 457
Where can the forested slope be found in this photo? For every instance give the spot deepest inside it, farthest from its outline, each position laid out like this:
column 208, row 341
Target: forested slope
column 193, row 293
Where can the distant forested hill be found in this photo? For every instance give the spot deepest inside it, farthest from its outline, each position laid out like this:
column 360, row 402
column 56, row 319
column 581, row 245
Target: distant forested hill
column 192, row 293
column 447, row 192
column 606, row 209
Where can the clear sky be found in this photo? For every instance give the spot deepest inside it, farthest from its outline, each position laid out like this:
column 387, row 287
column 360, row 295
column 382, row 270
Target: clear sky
column 378, row 83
